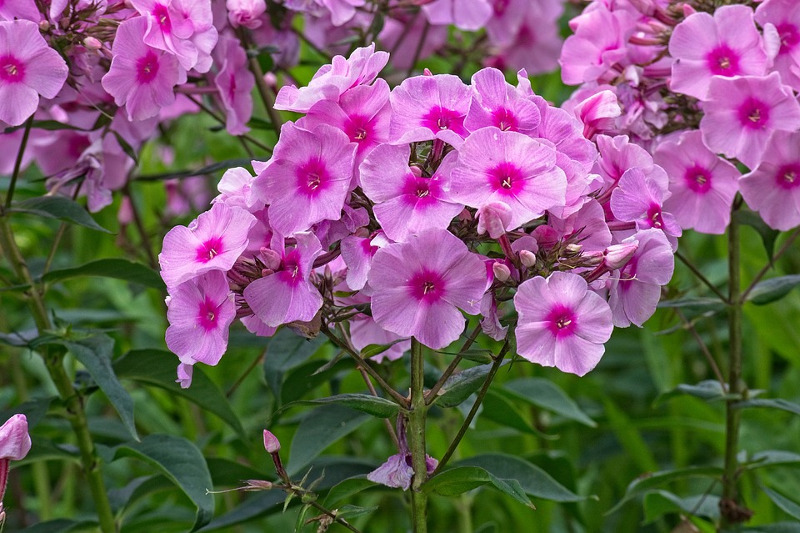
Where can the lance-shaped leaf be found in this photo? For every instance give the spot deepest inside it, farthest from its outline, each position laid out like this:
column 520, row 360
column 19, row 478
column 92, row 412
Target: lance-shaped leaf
column 111, row 268
column 648, row 481
column 547, row 395
column 60, row 208
column 461, row 479
column 773, row 289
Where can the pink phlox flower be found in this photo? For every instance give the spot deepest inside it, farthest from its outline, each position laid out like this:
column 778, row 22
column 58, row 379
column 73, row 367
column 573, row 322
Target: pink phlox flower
column 185, row 373
column 420, row 285
column 186, row 195
column 285, row 294
column 141, row 78
column 236, row 189
column 490, row 319
column 342, row 11
column 200, row 312
column 506, row 166
column 364, row 331
column 255, row 326
column 494, row 218
column 586, row 227
column 497, row 103
column 598, row 112
column 639, row 199
column 330, row 231
column 536, row 43
column 702, row 184
column 561, row 323
column 28, row 68
column 20, row 9
column 506, row 20
column 357, row 251
column 561, row 128
column 725, row 44
column 742, row 113
column 363, row 113
column 407, row 203
column 784, row 15
column 429, row 107
column 397, row 471
column 773, row 188
column 308, row 178
column 246, row 13
column 634, row 292
column 235, row 82
column 403, row 28
column 184, row 28
column 599, row 43
column 468, row 15
column 617, row 155
column 213, row 241
column 57, row 151
column 332, row 80
column 15, row 442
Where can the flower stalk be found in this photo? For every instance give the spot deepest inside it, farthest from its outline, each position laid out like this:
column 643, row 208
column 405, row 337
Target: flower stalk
column 416, row 438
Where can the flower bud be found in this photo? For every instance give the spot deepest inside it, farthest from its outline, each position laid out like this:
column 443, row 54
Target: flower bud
column 618, row 255
column 494, row 218
column 245, row 12
column 527, row 258
column 501, row 271
column 271, row 442
column 15, row 443
column 44, row 25
column 92, row 43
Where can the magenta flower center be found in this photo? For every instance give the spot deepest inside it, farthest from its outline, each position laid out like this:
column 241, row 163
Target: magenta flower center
column 754, row 114
column 312, row 177
column 723, row 61
column 505, row 119
column 12, row 70
column 440, row 118
column 789, row 37
column 698, row 179
column 291, row 273
column 161, row 14
column 420, row 190
column 654, row 216
column 506, row 178
column 500, row 6
column 147, row 67
column 788, row 176
column 357, row 128
column 427, row 286
column 210, row 249
column 561, row 321
column 207, row 315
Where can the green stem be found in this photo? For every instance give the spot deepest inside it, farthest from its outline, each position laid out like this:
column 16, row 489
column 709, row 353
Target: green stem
column 54, row 359
column 453, row 365
column 472, row 412
column 416, row 438
column 18, row 162
column 729, row 504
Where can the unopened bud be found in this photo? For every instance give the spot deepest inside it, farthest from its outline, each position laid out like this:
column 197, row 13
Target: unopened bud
column 271, row 442
column 618, row 255
column 44, row 25
column 92, row 43
column 573, row 249
column 494, row 218
column 258, row 484
column 501, row 271
column 527, row 258
column 416, row 170
column 427, row 72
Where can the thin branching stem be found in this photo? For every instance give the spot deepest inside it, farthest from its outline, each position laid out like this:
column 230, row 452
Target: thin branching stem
column 431, row 395
column 699, row 275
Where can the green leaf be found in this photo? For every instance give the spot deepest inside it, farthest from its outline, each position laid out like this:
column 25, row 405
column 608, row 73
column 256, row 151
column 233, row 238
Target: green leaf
column 773, row 289
column 352, row 511
column 286, row 351
column 461, row 479
column 781, row 527
column 157, row 368
column 772, row 458
column 60, row 525
column 498, row 409
column 460, row 386
column 709, row 390
column 111, row 268
column 366, row 403
column 60, row 208
column 768, row 235
column 532, row 479
column 126, row 147
column 319, row 429
column 345, row 489
column 772, row 403
column 694, row 305
column 189, row 173
column 648, row 482
column 310, row 375
column 478, row 355
column 547, row 395
column 661, row 502
column 49, row 125
column 183, row 463
column 788, row 506
column 95, row 353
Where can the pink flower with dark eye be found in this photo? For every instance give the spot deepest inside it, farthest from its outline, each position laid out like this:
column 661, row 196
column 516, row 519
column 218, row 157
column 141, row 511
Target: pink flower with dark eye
column 407, row 203
column 429, row 107
column 246, row 13
column 773, row 188
column 468, row 15
column 727, row 44
column 420, row 285
column 141, row 78
column 28, row 68
column 285, row 293
column 635, row 291
column 702, row 184
column 639, row 199
column 784, row 15
column 184, row 28
column 561, row 323
column 497, row 103
column 509, row 167
column 308, row 177
column 235, row 83
column 741, row 114
column 211, row 242
column 199, row 312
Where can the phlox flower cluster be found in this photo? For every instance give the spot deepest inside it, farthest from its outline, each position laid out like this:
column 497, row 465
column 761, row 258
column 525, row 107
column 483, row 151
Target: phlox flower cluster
column 712, row 94
column 388, row 214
